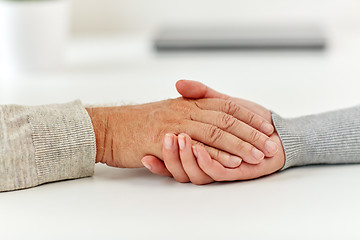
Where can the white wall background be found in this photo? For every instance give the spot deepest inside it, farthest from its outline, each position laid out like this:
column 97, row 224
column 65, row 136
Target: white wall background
column 102, row 16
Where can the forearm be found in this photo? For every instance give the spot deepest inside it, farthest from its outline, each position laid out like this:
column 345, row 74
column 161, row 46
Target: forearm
column 327, row 138
column 44, row 144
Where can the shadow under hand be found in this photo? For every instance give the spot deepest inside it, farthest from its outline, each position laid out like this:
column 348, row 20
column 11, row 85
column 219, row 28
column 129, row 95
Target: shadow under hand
column 116, row 174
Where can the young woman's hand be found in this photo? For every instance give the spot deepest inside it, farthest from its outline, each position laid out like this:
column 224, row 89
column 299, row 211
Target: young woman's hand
column 192, row 163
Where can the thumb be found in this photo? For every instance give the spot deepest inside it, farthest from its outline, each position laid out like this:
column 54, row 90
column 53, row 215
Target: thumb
column 194, row 89
column 155, row 165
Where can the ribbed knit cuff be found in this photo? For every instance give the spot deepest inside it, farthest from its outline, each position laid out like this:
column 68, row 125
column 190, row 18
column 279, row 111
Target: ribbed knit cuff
column 64, row 141
column 290, row 139
column 327, row 138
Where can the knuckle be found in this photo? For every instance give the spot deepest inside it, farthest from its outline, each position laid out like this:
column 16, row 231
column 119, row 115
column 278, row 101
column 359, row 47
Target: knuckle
column 240, row 146
column 251, row 118
column 230, row 107
column 197, row 103
column 178, row 127
column 227, row 121
column 181, row 105
column 254, row 136
column 159, row 136
column 216, row 155
column 198, row 143
column 214, row 134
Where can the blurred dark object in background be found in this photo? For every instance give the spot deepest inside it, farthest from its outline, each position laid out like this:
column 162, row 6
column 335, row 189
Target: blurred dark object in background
column 249, row 37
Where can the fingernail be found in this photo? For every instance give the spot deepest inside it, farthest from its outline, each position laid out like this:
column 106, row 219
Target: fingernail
column 168, row 142
column 194, row 151
column 148, row 166
column 181, row 140
column 235, row 159
column 257, row 154
column 267, row 128
column 270, row 146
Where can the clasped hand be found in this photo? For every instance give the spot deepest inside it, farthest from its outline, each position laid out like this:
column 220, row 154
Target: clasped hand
column 226, row 131
column 192, row 163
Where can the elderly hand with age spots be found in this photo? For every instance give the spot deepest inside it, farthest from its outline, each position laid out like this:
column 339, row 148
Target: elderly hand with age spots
column 230, row 134
column 188, row 162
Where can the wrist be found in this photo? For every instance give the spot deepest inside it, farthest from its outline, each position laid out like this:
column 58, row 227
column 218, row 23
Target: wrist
column 291, row 140
column 99, row 122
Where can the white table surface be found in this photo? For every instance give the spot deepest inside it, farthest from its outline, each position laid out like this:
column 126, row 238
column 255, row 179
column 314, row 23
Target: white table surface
column 319, row 202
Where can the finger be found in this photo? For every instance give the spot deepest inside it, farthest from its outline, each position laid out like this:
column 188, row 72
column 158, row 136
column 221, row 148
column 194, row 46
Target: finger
column 237, row 111
column 239, row 129
column 213, row 168
column 196, row 175
column 244, row 172
column 155, row 165
column 226, row 159
column 217, row 138
column 172, row 159
column 194, row 89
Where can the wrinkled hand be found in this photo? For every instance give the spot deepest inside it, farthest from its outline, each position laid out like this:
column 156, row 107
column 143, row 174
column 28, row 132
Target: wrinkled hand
column 126, row 134
column 180, row 162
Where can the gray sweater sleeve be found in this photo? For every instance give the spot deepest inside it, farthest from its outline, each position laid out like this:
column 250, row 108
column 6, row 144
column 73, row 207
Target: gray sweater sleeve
column 45, row 144
column 327, row 138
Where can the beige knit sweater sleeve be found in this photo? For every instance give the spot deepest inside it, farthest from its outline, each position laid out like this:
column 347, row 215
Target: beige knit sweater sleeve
column 44, row 144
